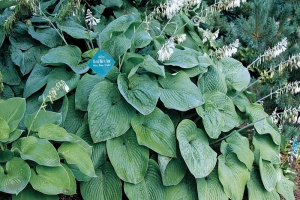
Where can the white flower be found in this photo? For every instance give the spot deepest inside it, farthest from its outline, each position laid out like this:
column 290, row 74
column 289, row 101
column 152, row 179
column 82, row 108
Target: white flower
column 276, row 50
column 228, row 51
column 195, row 2
column 298, row 121
column 208, row 35
column 90, row 19
column 166, row 51
column 234, row 3
column 180, row 38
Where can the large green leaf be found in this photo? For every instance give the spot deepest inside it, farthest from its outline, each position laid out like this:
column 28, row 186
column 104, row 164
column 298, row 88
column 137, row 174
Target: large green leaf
column 13, row 136
column 9, row 71
column 2, row 35
column 268, row 150
column 51, row 180
column 199, row 157
column 75, row 30
column 210, row 188
column 262, row 122
column 179, row 92
column 65, row 55
column 35, row 121
column 186, row 189
column 4, row 130
column 120, row 24
column 239, row 99
column 30, row 194
column 83, row 90
column 106, row 185
column 7, row 4
column 213, row 79
column 256, row 189
column 54, row 132
column 109, row 114
column 233, row 175
column 285, row 187
column 36, row 80
column 268, row 174
column 155, row 131
column 99, row 155
column 47, row 36
column 116, row 46
column 129, row 159
column 19, row 37
column 172, row 169
column 55, row 76
column 12, row 111
column 151, row 188
column 39, row 150
column 239, row 145
column 116, row 3
column 151, row 65
column 75, row 154
column 140, row 91
column 15, row 176
column 236, row 75
column 81, row 140
column 187, row 58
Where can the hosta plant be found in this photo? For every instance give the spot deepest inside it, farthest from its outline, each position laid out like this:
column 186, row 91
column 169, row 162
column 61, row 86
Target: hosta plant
column 169, row 121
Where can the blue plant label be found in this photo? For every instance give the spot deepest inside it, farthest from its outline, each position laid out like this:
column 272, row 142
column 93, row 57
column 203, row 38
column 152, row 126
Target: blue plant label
column 295, row 148
column 101, row 63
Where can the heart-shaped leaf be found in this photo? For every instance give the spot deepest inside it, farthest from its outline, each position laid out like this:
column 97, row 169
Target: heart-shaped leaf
column 75, row 154
column 12, row 111
column 129, row 159
column 233, row 175
column 186, row 58
column 285, row 187
column 47, row 36
column 15, row 176
column 179, row 92
column 268, row 174
column 29, row 194
column 199, row 157
column 54, row 132
column 39, row 150
column 106, row 185
column 140, row 91
column 155, row 131
column 151, row 188
column 9, row 71
column 104, row 111
column 14, row 136
column 151, row 65
column 210, row 187
column 268, row 149
column 51, row 180
column 116, row 46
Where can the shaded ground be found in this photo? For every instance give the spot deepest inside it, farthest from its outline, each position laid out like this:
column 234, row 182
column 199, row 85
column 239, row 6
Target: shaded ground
column 297, row 182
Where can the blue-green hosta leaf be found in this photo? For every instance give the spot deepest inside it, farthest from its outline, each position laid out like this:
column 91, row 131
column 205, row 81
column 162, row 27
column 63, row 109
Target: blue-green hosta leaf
column 129, row 159
column 239, row 99
column 74, row 118
column 13, row 136
column 199, row 157
column 55, row 133
column 187, row 58
column 110, row 4
column 137, row 32
column 7, row 93
column 120, row 24
column 75, row 30
column 106, row 185
column 51, row 180
column 268, row 174
column 202, row 67
column 151, row 65
column 12, row 111
column 26, row 60
column 99, row 155
column 19, row 37
column 285, row 187
column 38, row 150
column 6, row 156
column 151, row 188
column 179, row 92
column 4, row 130
column 75, row 154
column 212, row 119
column 109, row 114
column 239, row 145
column 83, row 90
column 140, row 91
column 236, row 75
column 256, row 189
column 186, row 189
column 132, row 60
column 268, row 149
column 47, row 36
column 81, row 141
column 210, row 188
column 2, row 35
column 155, row 131
column 36, row 80
column 116, row 46
column 9, row 71
column 233, row 175
column 213, row 79
column 43, row 117
column 172, row 169
column 262, row 122
column 29, row 194
column 55, row 76
column 15, row 176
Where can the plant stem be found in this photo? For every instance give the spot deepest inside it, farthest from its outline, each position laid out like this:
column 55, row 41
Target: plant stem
column 2, row 146
column 34, row 118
